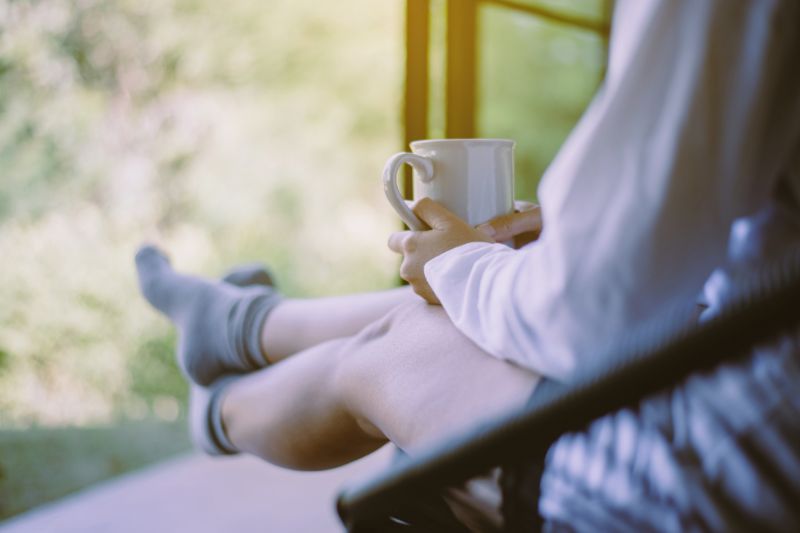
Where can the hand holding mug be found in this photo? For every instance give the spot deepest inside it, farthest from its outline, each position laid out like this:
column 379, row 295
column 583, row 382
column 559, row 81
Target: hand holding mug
column 458, row 184
column 446, row 231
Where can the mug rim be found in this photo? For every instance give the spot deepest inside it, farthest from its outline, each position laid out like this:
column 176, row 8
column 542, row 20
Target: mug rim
column 477, row 140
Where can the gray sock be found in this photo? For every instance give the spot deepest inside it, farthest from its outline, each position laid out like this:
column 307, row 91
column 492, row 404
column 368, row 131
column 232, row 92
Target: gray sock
column 249, row 274
column 205, row 417
column 219, row 323
column 205, row 403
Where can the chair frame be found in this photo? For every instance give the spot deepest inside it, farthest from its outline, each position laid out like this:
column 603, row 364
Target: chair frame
column 655, row 357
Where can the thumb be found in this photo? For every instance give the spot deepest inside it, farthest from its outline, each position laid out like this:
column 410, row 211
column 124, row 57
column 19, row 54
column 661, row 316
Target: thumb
column 434, row 214
column 506, row 227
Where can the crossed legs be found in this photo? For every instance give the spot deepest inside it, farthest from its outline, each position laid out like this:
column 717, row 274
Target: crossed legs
column 409, row 377
column 345, row 375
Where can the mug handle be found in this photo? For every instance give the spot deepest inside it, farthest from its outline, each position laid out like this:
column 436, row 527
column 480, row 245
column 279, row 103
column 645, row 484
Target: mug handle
column 424, row 168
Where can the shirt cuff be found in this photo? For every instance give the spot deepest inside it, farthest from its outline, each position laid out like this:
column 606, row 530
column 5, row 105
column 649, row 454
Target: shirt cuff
column 435, row 266
column 450, row 269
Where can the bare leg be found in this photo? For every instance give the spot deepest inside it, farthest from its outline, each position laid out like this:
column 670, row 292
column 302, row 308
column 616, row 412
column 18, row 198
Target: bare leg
column 341, row 398
column 297, row 324
column 409, row 377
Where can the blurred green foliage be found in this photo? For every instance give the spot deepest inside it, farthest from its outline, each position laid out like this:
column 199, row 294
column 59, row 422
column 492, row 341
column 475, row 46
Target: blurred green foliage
column 228, row 132
column 245, row 130
column 536, row 80
column 41, row 464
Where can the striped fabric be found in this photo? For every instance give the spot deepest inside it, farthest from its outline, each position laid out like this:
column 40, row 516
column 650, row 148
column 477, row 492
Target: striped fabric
column 719, row 453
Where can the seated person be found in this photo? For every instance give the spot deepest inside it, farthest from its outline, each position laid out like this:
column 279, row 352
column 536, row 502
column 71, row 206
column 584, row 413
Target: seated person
column 697, row 124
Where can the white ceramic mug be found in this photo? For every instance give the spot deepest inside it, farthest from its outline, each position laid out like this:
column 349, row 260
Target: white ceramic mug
column 473, row 178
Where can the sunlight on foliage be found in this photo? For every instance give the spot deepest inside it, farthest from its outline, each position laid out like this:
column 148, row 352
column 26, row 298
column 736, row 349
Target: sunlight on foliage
column 226, row 131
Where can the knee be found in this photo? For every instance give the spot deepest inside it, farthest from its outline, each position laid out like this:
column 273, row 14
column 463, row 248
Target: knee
column 377, row 371
column 370, row 363
column 356, row 377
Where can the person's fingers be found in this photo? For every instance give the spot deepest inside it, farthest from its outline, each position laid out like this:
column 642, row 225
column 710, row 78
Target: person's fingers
column 424, row 291
column 434, row 214
column 521, row 206
column 487, row 229
column 406, row 273
column 426, row 294
column 399, row 241
column 506, row 227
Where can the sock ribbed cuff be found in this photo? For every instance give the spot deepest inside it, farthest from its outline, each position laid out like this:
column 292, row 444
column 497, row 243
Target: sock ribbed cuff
column 257, row 314
column 215, row 426
column 245, row 322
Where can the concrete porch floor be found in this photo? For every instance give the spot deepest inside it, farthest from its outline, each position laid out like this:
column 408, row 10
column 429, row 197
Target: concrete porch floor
column 194, row 493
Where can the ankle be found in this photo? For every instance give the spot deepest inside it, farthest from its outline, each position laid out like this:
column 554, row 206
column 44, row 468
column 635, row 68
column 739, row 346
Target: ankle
column 205, row 417
column 279, row 331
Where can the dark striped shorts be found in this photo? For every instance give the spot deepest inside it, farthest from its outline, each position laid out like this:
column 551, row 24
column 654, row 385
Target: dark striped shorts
column 721, row 452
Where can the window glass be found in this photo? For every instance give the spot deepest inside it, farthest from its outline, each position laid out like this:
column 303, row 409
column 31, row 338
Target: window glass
column 535, row 79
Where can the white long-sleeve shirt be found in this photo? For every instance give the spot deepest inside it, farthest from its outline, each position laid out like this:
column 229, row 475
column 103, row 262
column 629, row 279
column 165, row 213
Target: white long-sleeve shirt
column 698, row 116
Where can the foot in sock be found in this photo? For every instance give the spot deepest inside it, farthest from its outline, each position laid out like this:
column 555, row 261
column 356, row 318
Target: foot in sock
column 205, row 403
column 219, row 323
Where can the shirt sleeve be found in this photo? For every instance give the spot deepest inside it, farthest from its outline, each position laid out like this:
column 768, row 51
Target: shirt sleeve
column 697, row 115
